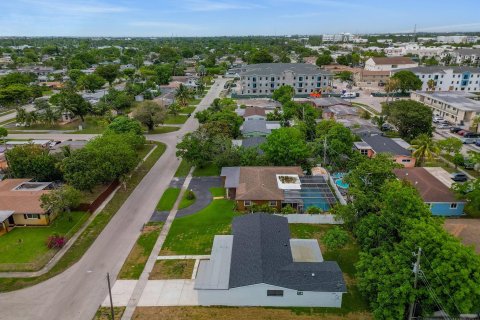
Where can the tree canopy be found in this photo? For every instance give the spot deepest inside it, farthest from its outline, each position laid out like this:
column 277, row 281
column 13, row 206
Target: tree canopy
column 407, row 80
column 411, row 118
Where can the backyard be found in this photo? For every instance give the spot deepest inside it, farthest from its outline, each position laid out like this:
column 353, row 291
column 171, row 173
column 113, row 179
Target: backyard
column 194, row 234
column 28, row 244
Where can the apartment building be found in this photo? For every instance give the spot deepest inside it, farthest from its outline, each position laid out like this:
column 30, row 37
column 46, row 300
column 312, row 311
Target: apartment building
column 459, row 108
column 389, row 64
column 262, row 79
column 457, row 39
column 466, row 56
column 449, row 78
column 413, row 48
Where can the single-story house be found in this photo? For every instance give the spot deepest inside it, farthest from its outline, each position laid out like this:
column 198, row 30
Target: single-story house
column 398, row 148
column 260, row 265
column 327, row 102
column 72, row 144
column 339, row 112
column 258, row 128
column 268, row 104
column 20, row 198
column 276, row 187
column 254, row 113
column 253, row 142
column 436, row 194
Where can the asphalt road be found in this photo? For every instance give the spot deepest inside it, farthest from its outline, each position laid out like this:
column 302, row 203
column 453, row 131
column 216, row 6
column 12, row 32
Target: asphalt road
column 78, row 292
column 12, row 115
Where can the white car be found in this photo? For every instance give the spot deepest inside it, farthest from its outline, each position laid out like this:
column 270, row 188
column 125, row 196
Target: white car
column 443, row 126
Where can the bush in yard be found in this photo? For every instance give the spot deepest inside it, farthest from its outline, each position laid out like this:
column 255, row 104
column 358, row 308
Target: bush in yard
column 335, row 238
column 190, row 195
column 56, row 241
column 288, row 209
column 314, row 210
column 262, row 208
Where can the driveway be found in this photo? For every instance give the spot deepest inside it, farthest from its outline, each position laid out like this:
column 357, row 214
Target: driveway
column 467, row 230
column 200, row 186
column 77, row 292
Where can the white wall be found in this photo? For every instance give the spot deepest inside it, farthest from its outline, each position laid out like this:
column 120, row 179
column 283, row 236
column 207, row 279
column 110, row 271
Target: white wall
column 256, row 295
column 312, row 218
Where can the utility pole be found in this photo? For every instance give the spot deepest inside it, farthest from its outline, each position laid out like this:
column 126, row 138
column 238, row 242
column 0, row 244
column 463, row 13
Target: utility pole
column 416, row 270
column 110, row 295
column 325, row 152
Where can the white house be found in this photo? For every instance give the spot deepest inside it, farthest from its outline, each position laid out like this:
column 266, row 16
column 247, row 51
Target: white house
column 259, row 265
column 389, row 63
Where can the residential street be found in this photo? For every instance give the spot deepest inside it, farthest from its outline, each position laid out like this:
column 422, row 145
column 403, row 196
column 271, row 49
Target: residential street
column 77, row 293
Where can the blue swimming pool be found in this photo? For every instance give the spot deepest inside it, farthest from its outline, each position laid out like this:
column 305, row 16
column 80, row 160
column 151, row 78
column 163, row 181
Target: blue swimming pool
column 341, row 184
column 314, row 198
column 338, row 175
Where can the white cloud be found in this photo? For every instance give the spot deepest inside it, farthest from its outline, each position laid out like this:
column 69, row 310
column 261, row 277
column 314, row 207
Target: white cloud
column 76, row 8
column 164, row 24
column 207, row 5
column 453, row 27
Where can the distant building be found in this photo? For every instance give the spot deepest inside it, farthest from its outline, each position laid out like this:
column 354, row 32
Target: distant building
column 263, row 79
column 389, row 64
column 449, row 78
column 464, row 56
column 441, row 200
column 260, row 265
column 457, row 107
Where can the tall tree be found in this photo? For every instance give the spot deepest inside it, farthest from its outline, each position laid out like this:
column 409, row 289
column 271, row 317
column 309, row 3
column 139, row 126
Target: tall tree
column 150, row 114
column 286, row 147
column 411, row 118
column 408, row 81
column 183, row 95
column 424, row 148
column 32, row 161
column 108, row 72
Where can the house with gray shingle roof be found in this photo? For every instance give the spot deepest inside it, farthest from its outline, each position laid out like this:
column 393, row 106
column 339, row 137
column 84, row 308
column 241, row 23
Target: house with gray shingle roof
column 258, row 128
column 260, row 265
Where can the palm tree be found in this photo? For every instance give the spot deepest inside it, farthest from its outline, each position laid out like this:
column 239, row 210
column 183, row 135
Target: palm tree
column 431, row 84
column 183, row 95
column 391, row 85
column 424, row 148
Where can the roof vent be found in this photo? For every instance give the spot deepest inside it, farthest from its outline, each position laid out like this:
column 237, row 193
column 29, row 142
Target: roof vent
column 313, row 274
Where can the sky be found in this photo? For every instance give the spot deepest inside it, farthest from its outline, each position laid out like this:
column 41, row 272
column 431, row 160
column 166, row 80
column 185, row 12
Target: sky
column 160, row 18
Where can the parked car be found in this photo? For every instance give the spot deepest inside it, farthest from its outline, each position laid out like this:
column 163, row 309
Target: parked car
column 477, row 143
column 443, row 126
column 462, row 132
column 459, row 177
column 455, row 129
column 468, row 140
column 471, row 135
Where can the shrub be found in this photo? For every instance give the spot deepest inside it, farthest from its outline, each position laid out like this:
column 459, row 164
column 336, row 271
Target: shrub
column 56, row 241
column 288, row 209
column 190, row 195
column 314, row 210
column 263, row 208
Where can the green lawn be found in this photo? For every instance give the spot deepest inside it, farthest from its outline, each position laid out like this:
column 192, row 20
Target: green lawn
column 346, row 258
column 89, row 235
column 183, row 169
column 136, row 260
column 178, row 119
column 185, row 203
column 165, row 129
column 194, row 234
column 188, row 109
column 92, row 125
column 210, row 170
column 28, row 244
column 168, row 199
column 217, row 191
column 195, row 101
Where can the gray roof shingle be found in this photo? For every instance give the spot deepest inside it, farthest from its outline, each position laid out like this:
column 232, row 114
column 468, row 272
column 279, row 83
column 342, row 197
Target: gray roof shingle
column 261, row 253
column 381, row 144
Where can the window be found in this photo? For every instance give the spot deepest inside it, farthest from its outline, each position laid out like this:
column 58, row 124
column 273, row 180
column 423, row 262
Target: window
column 272, row 203
column 31, row 216
column 405, row 160
column 364, row 152
column 453, row 205
column 274, row 293
column 299, row 293
column 247, row 203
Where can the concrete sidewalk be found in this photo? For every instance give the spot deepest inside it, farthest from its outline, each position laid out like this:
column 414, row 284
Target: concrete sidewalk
column 156, row 293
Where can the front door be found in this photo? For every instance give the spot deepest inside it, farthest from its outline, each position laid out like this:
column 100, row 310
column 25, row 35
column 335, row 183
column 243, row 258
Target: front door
column 11, row 221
